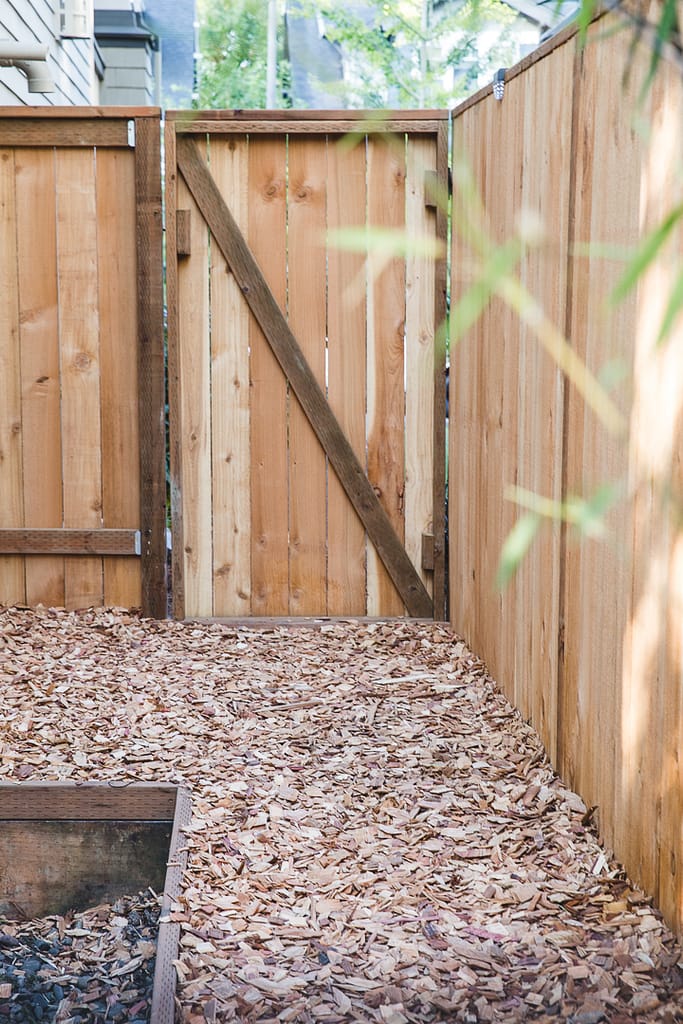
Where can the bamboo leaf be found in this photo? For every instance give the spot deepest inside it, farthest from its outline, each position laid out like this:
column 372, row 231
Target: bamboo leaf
column 395, row 241
column 515, row 547
column 646, row 253
column 585, row 16
column 673, row 308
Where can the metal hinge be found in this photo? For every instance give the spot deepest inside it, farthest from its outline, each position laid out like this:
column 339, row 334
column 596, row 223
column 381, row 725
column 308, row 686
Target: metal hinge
column 131, row 134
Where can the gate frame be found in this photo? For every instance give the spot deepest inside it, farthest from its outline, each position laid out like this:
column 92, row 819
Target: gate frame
column 185, row 124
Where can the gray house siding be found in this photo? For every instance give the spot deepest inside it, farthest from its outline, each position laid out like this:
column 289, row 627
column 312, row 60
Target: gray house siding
column 70, row 61
column 130, row 53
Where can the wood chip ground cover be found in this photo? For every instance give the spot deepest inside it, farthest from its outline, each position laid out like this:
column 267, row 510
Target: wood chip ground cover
column 376, row 833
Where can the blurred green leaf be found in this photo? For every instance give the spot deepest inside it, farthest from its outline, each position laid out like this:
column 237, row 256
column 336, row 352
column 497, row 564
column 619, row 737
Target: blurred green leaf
column 586, row 12
column 394, row 241
column 613, row 373
column 646, row 253
column 673, row 309
column 517, row 543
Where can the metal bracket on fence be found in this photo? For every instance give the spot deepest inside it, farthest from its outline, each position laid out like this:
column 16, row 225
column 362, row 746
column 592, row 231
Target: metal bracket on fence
column 499, row 83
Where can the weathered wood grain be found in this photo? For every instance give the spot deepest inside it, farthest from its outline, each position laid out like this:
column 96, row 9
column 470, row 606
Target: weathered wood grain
column 230, row 405
column 307, row 317
column 280, row 337
column 39, row 338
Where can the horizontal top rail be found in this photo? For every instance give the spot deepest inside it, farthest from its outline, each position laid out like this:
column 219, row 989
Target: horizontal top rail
column 66, row 113
column 306, row 121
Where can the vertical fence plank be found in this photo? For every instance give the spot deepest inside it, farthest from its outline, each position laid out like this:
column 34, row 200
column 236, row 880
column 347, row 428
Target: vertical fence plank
column 419, row 355
column 230, row 398
column 307, row 301
column 464, row 461
column 269, row 399
column 598, row 575
column 545, row 188
column 347, row 383
column 194, row 365
column 386, row 366
column 652, row 695
column 175, row 427
column 80, row 365
column 119, row 365
column 12, row 581
column 150, row 342
column 41, row 414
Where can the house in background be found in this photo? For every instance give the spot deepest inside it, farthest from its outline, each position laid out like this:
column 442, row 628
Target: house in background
column 320, row 67
column 62, row 32
column 112, row 52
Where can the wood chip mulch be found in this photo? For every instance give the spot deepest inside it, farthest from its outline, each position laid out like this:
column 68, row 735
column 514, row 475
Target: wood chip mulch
column 377, row 835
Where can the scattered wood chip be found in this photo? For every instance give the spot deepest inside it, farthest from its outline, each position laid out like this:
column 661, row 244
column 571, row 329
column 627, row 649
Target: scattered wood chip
column 377, row 834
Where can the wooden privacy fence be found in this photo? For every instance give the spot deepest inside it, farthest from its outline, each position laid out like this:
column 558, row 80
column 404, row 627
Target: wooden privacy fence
column 306, row 380
column 82, row 480
column 588, row 639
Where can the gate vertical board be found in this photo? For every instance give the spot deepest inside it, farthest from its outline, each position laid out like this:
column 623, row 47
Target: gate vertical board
column 118, row 361
column 347, row 387
column 194, row 411
column 307, row 302
column 385, row 356
column 366, row 341
column 81, row 346
column 267, row 225
column 230, row 418
column 39, row 353
column 79, row 336
column 420, row 356
column 11, row 499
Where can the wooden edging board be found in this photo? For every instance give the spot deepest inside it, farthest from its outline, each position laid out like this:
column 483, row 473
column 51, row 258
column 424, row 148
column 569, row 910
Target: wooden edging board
column 119, row 802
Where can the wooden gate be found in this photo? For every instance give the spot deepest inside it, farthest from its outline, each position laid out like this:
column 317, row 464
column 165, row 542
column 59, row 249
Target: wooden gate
column 82, row 476
column 306, row 380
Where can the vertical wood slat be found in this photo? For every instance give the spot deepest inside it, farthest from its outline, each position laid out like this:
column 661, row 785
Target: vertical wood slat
column 119, row 365
column 80, row 365
column 441, row 200
column 151, row 383
column 597, row 580
column 419, row 354
column 269, row 397
column 12, row 581
column 307, row 307
column 230, row 399
column 41, row 413
column 346, row 329
column 194, row 364
column 385, row 357
column 175, row 422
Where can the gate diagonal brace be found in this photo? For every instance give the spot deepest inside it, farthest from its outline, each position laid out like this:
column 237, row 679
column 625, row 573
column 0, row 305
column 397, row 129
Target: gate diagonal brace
column 310, row 395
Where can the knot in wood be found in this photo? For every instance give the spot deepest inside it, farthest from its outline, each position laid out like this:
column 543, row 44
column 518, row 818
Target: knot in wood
column 82, row 361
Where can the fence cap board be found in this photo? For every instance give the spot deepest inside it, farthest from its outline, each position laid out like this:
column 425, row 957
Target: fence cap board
column 423, row 122
column 67, row 113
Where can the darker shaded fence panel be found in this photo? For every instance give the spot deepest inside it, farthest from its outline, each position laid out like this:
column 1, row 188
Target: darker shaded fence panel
column 81, row 344
column 587, row 640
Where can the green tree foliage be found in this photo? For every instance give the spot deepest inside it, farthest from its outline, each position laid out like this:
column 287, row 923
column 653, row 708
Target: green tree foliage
column 232, row 63
column 399, row 53
column 396, row 54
